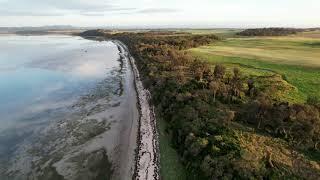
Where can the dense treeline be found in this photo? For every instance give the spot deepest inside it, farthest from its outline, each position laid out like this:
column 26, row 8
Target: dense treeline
column 297, row 123
column 201, row 105
column 269, row 32
column 94, row 33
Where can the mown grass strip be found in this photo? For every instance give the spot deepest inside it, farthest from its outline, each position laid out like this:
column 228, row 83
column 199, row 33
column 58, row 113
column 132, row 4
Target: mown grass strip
column 171, row 167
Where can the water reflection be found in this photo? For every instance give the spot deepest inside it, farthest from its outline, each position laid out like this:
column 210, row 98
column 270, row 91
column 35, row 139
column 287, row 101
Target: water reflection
column 66, row 105
column 42, row 73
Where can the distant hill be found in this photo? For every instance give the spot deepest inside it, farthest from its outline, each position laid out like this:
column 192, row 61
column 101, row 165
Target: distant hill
column 269, row 32
column 93, row 33
column 36, row 29
column 28, row 32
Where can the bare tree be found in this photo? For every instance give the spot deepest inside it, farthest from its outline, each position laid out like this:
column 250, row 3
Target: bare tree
column 214, row 87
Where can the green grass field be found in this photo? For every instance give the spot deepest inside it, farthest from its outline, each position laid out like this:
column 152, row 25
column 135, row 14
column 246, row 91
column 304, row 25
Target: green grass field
column 171, row 167
column 294, row 58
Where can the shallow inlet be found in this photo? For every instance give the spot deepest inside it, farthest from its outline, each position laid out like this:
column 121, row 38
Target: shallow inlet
column 68, row 108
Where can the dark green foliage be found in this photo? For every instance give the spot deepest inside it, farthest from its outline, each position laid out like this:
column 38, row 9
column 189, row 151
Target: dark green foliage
column 93, row 33
column 313, row 44
column 313, row 100
column 297, row 123
column 199, row 106
column 269, row 32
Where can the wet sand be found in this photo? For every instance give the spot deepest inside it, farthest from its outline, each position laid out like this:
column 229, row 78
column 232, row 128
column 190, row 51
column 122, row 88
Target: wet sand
column 110, row 133
column 128, row 138
column 95, row 139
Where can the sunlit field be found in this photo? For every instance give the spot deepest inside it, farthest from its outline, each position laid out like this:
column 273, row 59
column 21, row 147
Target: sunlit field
column 295, row 59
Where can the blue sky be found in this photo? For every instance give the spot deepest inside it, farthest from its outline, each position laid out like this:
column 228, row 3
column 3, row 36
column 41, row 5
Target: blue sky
column 161, row 13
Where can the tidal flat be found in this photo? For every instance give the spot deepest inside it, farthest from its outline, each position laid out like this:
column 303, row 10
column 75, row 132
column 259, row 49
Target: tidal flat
column 68, row 108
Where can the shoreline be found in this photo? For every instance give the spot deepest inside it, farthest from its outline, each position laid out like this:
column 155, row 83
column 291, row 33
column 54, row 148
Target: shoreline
column 99, row 130
column 147, row 165
column 124, row 140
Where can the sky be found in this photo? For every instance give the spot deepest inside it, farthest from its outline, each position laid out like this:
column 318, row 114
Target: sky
column 161, row 13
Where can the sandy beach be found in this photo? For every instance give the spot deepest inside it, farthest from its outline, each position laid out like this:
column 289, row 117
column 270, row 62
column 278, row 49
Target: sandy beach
column 147, row 157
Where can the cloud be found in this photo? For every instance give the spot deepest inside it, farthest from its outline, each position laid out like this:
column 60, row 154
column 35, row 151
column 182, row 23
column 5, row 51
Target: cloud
column 72, row 7
column 158, row 10
column 111, row 10
column 155, row 12
column 28, row 13
column 151, row 11
column 59, row 7
column 92, row 14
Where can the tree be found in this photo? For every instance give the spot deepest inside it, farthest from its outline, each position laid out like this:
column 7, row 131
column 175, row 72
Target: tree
column 181, row 76
column 251, row 87
column 214, row 87
column 236, row 73
column 198, row 68
column 236, row 83
column 219, row 71
column 264, row 105
column 230, row 116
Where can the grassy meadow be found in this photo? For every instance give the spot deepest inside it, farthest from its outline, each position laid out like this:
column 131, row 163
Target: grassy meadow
column 289, row 66
column 171, row 167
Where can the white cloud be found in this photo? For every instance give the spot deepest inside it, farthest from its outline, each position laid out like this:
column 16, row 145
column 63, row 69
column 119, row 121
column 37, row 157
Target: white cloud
column 158, row 10
column 164, row 12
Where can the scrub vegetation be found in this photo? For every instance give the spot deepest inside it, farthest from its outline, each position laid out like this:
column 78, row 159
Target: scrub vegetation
column 222, row 117
column 269, row 32
column 293, row 60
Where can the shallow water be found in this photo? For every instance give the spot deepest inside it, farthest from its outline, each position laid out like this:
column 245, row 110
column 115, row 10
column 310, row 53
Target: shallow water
column 39, row 73
column 61, row 101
